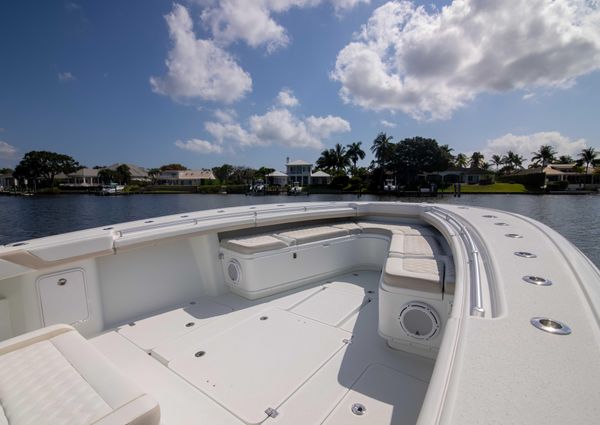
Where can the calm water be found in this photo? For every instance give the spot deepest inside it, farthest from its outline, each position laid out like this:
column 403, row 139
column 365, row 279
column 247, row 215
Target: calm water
column 576, row 217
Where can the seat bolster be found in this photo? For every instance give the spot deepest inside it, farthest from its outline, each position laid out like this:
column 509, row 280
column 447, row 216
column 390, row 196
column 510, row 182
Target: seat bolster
column 350, row 226
column 449, row 276
column 143, row 410
column 413, row 273
column 29, row 338
column 103, row 376
column 313, row 234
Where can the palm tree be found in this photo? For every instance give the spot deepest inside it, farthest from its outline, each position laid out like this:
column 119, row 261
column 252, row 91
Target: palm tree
column 382, row 150
column 588, row 156
column 341, row 158
column 355, row 153
column 497, row 161
column 476, row 160
column 544, row 156
column 461, row 160
column 326, row 161
column 565, row 159
column 513, row 160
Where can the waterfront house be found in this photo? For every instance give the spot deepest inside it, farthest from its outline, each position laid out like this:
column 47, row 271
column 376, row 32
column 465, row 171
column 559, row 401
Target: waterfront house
column 7, row 182
column 138, row 173
column 573, row 174
column 85, row 177
column 298, row 171
column 185, row 177
column 471, row 175
column 320, row 177
column 277, row 178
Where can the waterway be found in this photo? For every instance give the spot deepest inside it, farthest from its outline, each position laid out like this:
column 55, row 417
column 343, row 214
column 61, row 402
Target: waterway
column 21, row 218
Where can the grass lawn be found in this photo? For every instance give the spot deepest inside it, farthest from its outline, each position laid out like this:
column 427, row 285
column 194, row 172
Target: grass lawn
column 490, row 188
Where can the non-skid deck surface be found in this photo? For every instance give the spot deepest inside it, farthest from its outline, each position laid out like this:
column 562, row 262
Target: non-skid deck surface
column 232, row 366
column 257, row 364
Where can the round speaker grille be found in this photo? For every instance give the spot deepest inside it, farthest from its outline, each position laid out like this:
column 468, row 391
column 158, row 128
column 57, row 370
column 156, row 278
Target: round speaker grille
column 419, row 320
column 234, row 271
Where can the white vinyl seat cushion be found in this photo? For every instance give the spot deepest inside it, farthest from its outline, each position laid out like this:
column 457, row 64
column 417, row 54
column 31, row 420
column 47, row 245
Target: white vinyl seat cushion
column 417, row 274
column 388, row 229
column 254, row 244
column 55, row 376
column 415, row 245
column 312, row 234
column 350, row 226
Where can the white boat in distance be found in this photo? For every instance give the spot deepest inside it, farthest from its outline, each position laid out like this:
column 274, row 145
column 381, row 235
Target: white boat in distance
column 304, row 313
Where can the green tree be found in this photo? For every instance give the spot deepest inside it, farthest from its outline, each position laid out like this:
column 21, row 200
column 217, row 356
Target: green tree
column 123, row 174
column 223, row 172
column 588, row 156
column 107, row 176
column 6, row 171
column 177, row 167
column 497, row 161
column 153, row 173
column 383, row 150
column 461, row 160
column 355, row 153
column 418, row 155
column 326, row 161
column 512, row 161
column 263, row 171
column 565, row 159
column 341, row 158
column 43, row 166
column 543, row 156
column 476, row 160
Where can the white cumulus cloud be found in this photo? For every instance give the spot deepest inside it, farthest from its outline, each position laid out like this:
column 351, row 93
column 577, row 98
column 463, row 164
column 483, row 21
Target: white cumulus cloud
column 7, row 150
column 252, row 20
column 225, row 115
column 286, row 98
column 428, row 62
column 527, row 143
column 278, row 127
column 199, row 146
column 198, row 68
column 387, row 123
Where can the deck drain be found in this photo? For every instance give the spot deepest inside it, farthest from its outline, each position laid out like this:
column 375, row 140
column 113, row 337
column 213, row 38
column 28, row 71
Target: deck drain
column 107, row 228
column 149, row 221
column 370, row 291
column 192, row 302
column 501, row 224
column 354, row 274
column 358, row 409
column 551, row 326
column 537, row 280
column 264, row 317
column 489, row 216
column 189, row 324
column 513, row 235
column 525, row 254
column 200, row 353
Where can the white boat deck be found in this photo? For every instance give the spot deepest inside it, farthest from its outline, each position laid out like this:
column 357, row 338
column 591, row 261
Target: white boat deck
column 308, row 354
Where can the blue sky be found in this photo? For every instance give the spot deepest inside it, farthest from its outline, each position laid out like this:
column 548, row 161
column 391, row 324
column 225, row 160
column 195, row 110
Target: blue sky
column 206, row 82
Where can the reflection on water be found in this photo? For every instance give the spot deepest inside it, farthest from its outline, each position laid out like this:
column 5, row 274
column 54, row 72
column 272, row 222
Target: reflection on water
column 575, row 217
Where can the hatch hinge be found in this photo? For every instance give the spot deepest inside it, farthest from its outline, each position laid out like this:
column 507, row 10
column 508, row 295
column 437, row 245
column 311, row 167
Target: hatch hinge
column 272, row 413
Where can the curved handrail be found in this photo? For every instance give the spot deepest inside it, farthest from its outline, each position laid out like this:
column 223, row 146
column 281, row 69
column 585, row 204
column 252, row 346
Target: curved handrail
column 477, row 308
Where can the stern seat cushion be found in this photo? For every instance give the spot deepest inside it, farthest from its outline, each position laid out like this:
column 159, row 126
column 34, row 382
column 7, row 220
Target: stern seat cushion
column 388, row 229
column 254, row 244
column 417, row 274
column 54, row 375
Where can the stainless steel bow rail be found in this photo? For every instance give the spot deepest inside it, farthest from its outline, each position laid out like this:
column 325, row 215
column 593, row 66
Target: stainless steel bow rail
column 474, row 261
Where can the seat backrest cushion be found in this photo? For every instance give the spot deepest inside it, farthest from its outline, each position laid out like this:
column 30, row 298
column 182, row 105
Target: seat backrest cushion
column 39, row 386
